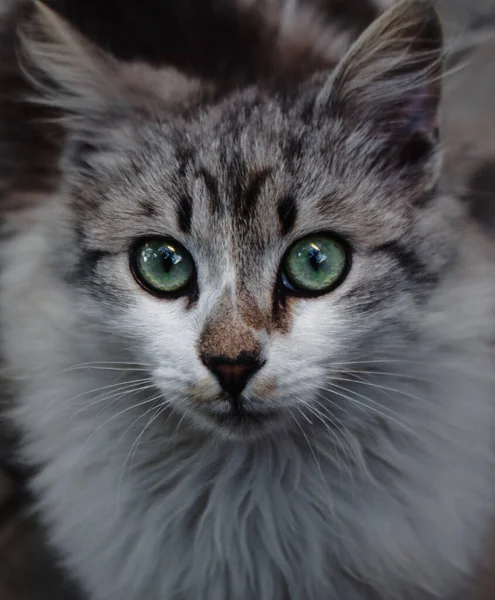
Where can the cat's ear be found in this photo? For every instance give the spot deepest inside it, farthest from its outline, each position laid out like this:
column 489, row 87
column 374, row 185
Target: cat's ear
column 68, row 73
column 390, row 81
column 87, row 87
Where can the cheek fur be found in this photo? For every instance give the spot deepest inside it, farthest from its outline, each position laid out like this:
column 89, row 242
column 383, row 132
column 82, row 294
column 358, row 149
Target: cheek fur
column 166, row 327
column 316, row 339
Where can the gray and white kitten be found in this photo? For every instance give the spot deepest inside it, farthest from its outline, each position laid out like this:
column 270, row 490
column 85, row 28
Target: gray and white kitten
column 251, row 433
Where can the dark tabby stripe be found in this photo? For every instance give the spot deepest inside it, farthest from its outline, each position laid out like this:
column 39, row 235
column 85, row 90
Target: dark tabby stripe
column 84, row 275
column 148, row 208
column 287, row 213
column 212, row 190
column 293, row 152
column 248, row 194
column 184, row 212
column 365, row 298
column 408, row 261
column 88, row 262
column 222, row 39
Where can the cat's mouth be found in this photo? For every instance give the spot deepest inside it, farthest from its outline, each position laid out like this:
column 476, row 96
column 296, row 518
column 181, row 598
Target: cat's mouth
column 234, row 417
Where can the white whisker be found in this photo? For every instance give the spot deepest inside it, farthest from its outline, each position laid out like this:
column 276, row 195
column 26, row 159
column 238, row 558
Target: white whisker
column 367, row 405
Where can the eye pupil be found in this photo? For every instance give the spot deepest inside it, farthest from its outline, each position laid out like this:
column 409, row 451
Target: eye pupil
column 315, row 258
column 162, row 267
column 315, row 264
column 168, row 262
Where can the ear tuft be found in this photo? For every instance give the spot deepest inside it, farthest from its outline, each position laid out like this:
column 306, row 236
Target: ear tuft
column 71, row 74
column 391, row 78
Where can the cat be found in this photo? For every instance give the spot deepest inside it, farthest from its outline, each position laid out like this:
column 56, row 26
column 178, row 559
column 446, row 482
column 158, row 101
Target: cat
column 250, row 335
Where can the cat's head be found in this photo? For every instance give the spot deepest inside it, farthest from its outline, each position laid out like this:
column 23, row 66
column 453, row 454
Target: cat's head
column 249, row 245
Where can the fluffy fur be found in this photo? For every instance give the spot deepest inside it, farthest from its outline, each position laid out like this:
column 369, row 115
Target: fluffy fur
column 369, row 470
column 229, row 41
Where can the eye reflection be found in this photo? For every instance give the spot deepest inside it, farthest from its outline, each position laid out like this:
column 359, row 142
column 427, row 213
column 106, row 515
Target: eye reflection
column 315, row 264
column 162, row 266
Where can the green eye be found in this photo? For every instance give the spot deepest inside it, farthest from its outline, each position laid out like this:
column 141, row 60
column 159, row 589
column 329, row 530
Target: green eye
column 162, row 266
column 315, row 264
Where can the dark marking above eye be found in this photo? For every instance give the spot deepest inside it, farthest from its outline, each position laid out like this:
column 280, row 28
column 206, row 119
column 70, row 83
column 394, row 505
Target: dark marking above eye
column 148, row 208
column 184, row 213
column 249, row 193
column 287, row 213
column 184, row 158
column 293, row 151
column 212, row 190
column 237, row 176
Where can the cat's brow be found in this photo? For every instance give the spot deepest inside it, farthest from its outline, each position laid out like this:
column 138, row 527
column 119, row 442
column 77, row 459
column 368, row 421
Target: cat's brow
column 287, row 213
column 184, row 212
column 211, row 184
column 250, row 192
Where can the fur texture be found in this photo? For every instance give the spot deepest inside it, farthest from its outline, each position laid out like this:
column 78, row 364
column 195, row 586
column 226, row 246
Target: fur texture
column 229, row 41
column 368, row 470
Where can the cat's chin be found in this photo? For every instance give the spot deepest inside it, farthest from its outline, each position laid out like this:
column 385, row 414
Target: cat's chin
column 237, row 424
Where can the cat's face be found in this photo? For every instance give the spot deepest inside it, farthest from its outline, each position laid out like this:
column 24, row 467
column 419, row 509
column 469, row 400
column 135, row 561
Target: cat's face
column 252, row 246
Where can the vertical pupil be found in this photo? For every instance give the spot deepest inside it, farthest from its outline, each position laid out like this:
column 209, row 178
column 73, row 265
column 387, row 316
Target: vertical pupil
column 168, row 260
column 315, row 259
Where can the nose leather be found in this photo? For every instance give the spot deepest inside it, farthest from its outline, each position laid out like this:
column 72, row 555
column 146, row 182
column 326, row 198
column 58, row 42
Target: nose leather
column 233, row 374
